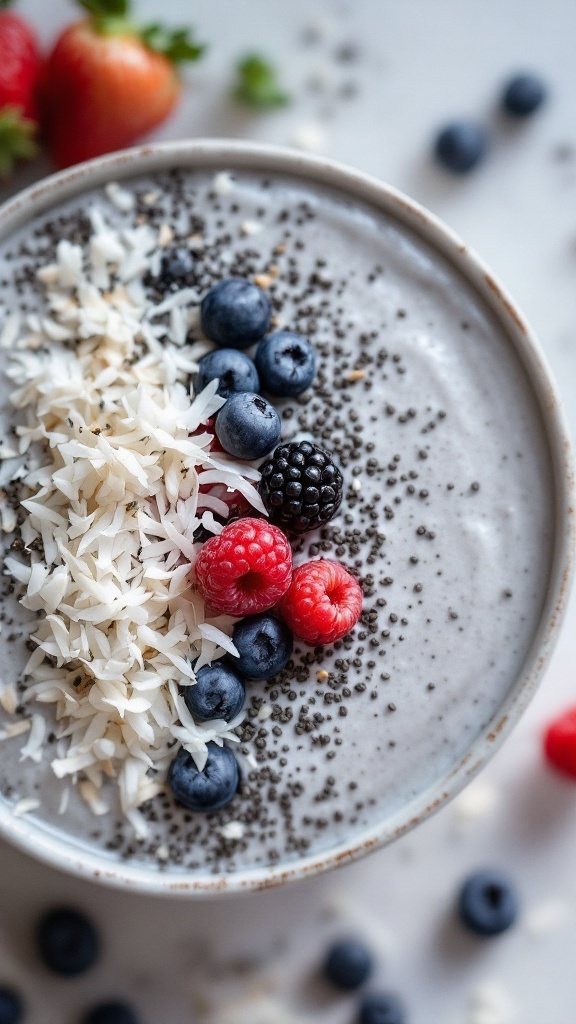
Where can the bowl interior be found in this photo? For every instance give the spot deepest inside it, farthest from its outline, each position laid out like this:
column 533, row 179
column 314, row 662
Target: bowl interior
column 439, row 405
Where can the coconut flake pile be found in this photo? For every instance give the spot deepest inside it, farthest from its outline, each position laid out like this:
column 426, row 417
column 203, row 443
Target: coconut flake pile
column 119, row 475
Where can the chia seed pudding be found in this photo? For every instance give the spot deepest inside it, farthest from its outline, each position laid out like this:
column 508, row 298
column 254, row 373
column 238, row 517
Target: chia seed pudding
column 447, row 519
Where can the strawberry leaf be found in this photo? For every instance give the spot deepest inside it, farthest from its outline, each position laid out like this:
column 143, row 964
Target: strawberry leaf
column 17, row 140
column 178, row 45
column 5, row 3
column 106, row 8
column 257, row 84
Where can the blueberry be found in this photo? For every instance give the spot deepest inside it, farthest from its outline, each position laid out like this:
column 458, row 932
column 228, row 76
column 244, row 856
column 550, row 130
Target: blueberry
column 286, row 363
column 461, row 146
column 11, row 1006
column 248, row 426
column 236, row 372
column 488, row 903
column 381, row 1008
column 523, row 94
column 264, row 644
column 67, row 941
column 348, row 964
column 110, row 1013
column 176, row 267
column 218, row 693
column 209, row 789
column 235, row 313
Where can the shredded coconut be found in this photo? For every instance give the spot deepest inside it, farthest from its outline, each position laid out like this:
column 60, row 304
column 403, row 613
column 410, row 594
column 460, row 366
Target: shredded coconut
column 251, row 227
column 25, row 806
column 232, row 830
column 125, row 477
column 223, row 183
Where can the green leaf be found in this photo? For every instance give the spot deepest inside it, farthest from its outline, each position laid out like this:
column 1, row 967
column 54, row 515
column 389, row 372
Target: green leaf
column 17, row 139
column 106, row 8
column 257, row 84
column 178, row 45
column 5, row 3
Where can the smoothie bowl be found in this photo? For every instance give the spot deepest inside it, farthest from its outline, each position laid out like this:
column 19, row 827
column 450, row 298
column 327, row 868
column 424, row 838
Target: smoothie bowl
column 441, row 480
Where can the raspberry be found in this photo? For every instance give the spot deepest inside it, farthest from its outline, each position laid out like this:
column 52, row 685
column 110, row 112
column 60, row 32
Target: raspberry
column 323, row 602
column 245, row 570
column 560, row 743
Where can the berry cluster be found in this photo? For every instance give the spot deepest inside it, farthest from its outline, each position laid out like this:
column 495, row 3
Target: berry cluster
column 461, row 145
column 236, row 315
column 246, row 571
column 487, row 905
column 68, row 945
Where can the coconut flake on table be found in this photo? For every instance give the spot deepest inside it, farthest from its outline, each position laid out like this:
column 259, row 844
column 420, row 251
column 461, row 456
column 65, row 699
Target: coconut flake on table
column 257, row 1008
column 492, row 1004
column 116, row 456
column 546, row 918
column 310, row 137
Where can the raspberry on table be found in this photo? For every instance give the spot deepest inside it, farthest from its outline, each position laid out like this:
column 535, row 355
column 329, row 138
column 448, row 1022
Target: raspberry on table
column 301, row 486
column 246, row 569
column 323, row 602
column 560, row 743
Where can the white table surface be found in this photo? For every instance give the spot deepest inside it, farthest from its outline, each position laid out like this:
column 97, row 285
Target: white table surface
column 417, row 64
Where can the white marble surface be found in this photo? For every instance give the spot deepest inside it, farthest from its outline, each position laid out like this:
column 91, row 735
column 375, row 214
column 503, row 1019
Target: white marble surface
column 418, row 63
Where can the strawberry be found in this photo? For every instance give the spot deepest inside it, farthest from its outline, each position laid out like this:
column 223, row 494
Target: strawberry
column 107, row 82
column 560, row 743
column 20, row 64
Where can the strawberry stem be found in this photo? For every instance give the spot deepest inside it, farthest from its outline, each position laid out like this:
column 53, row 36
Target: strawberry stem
column 17, row 140
column 178, row 45
column 106, row 8
column 111, row 18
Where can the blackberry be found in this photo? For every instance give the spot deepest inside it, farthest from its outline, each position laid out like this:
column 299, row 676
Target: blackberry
column 301, row 486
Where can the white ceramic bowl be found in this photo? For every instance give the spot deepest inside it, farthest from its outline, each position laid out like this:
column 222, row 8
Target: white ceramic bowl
column 53, row 847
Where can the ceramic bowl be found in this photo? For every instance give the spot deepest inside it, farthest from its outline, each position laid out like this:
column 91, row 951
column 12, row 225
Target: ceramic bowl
column 53, row 845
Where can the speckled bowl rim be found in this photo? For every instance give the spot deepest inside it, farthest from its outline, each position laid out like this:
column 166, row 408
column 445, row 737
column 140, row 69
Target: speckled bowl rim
column 56, row 849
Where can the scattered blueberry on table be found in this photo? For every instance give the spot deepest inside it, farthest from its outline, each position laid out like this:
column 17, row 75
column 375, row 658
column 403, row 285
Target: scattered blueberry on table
column 381, row 1008
column 110, row 1013
column 488, row 903
column 67, row 941
column 286, row 363
column 235, row 313
column 264, row 645
column 209, row 789
column 11, row 1006
column 217, row 693
column 248, row 427
column 234, row 369
column 461, row 146
column 523, row 95
column 348, row 964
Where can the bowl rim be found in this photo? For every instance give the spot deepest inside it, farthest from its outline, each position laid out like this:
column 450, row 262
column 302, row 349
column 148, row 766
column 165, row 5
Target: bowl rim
column 52, row 847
